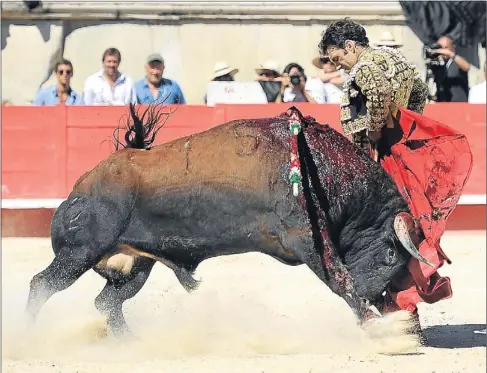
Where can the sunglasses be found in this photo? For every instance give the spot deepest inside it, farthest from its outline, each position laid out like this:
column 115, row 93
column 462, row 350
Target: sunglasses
column 324, row 60
column 62, row 72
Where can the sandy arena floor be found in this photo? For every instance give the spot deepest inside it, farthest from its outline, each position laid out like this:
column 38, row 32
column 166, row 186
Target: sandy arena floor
column 250, row 314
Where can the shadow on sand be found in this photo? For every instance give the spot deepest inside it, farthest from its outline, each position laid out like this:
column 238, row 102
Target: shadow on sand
column 455, row 336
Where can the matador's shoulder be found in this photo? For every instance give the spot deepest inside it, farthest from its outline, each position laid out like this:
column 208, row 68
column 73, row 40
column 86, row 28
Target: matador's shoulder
column 389, row 61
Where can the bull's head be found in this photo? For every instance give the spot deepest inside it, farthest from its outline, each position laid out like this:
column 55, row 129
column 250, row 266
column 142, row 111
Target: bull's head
column 386, row 258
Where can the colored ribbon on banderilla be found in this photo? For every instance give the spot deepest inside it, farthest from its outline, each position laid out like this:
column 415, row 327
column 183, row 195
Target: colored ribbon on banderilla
column 295, row 173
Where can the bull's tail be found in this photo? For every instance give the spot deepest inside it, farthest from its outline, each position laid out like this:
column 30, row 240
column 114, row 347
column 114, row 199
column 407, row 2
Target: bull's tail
column 141, row 131
column 184, row 276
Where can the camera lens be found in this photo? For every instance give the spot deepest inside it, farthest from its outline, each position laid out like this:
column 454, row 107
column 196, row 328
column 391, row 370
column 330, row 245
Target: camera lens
column 295, row 80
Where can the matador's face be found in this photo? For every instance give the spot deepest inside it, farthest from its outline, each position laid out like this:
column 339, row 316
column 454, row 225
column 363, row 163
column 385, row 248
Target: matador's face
column 343, row 58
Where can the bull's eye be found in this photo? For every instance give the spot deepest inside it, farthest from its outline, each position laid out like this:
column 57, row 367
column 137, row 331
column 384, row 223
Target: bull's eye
column 391, row 256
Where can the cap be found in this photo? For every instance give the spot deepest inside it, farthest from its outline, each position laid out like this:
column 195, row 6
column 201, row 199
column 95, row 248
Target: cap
column 155, row 57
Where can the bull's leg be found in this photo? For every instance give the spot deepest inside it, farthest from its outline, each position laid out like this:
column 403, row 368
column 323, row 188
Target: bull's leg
column 116, row 291
column 67, row 266
column 91, row 227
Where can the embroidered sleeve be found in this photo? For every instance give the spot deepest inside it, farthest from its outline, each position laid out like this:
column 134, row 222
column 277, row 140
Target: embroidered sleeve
column 418, row 96
column 378, row 93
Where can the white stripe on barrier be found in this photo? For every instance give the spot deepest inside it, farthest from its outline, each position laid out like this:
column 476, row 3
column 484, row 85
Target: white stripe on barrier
column 23, row 204
column 472, row 199
column 31, row 203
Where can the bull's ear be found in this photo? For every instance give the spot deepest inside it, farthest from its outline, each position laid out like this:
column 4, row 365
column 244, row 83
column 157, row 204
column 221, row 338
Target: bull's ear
column 403, row 225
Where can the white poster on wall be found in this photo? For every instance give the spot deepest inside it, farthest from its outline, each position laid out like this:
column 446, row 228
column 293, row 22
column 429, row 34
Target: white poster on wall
column 235, row 93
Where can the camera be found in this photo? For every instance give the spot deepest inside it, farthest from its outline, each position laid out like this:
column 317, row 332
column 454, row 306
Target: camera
column 435, row 66
column 431, row 58
column 295, row 79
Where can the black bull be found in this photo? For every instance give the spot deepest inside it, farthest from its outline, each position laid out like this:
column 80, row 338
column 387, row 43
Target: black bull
column 227, row 191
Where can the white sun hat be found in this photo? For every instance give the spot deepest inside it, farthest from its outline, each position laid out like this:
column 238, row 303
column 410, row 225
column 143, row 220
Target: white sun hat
column 222, row 68
column 388, row 40
column 269, row 65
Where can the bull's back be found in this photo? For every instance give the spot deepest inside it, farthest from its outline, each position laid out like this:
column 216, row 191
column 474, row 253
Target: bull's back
column 112, row 176
column 229, row 156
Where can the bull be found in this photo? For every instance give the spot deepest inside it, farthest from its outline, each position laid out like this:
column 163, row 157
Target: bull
column 227, row 191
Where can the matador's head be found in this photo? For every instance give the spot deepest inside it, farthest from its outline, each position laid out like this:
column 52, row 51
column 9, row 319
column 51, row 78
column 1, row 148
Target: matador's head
column 342, row 42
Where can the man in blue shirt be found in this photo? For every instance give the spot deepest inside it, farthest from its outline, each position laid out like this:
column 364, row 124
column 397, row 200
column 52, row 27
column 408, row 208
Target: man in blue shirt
column 61, row 92
column 156, row 88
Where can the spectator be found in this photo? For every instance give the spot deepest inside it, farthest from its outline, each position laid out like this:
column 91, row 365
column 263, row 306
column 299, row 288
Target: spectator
column 452, row 78
column 477, row 92
column 269, row 79
column 388, row 40
column 61, row 92
column 293, row 84
column 327, row 87
column 109, row 86
column 222, row 73
column 155, row 88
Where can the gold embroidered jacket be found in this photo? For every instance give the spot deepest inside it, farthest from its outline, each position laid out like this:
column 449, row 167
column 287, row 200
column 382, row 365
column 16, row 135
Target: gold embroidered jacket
column 380, row 77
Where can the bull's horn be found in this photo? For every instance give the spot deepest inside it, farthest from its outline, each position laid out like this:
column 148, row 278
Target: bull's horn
column 402, row 232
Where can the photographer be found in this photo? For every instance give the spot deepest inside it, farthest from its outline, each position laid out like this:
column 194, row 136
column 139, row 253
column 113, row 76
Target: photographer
column 293, row 85
column 451, row 76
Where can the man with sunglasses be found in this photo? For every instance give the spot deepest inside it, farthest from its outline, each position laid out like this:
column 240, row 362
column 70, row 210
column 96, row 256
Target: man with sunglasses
column 61, row 92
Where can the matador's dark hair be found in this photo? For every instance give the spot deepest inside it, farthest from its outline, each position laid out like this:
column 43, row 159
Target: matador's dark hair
column 339, row 31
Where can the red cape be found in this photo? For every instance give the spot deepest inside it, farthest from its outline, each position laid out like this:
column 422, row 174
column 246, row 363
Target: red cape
column 430, row 165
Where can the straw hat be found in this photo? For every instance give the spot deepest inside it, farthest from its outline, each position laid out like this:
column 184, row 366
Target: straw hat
column 269, row 65
column 222, row 68
column 320, row 61
column 387, row 40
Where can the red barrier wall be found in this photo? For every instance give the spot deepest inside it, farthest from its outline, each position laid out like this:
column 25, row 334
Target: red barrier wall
column 46, row 149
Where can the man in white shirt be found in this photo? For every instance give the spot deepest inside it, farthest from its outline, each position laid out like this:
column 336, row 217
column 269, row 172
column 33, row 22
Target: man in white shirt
column 109, row 86
column 477, row 92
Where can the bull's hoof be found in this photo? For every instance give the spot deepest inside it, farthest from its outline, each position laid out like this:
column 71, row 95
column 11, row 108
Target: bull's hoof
column 126, row 337
column 29, row 319
column 92, row 331
column 416, row 330
column 29, row 322
column 123, row 333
